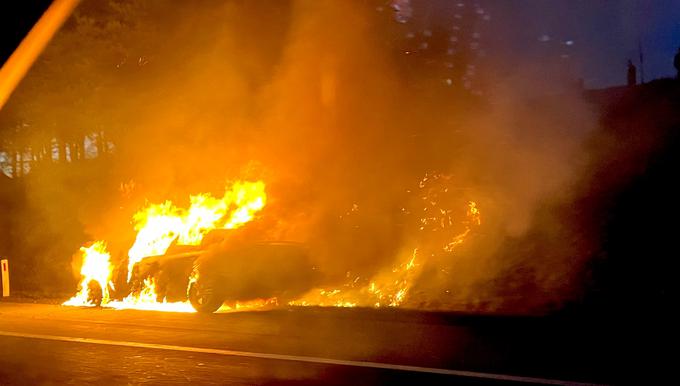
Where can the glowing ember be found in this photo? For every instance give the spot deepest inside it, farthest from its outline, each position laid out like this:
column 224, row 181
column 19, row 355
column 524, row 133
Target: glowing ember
column 387, row 288
column 96, row 267
column 391, row 287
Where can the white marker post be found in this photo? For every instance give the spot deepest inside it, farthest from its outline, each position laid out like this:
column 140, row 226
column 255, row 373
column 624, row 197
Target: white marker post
column 4, row 267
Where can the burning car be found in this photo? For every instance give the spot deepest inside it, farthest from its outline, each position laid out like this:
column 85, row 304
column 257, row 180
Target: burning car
column 169, row 239
column 201, row 257
column 222, row 270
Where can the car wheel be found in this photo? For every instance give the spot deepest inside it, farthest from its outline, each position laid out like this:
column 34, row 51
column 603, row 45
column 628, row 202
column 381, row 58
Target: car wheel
column 95, row 293
column 204, row 298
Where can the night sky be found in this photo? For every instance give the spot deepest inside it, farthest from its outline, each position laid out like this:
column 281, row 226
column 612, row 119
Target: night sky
column 603, row 35
column 593, row 39
column 16, row 19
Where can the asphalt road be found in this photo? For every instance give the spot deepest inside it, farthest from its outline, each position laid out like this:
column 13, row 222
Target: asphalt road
column 55, row 345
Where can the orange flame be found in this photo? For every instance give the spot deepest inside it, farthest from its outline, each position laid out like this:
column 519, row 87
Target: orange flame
column 147, row 300
column 158, row 226
column 96, row 266
column 389, row 287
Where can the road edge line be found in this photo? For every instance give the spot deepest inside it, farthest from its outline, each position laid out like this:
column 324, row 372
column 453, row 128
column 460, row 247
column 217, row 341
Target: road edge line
column 300, row 358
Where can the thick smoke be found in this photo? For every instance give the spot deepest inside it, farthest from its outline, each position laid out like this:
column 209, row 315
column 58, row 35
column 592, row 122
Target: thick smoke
column 311, row 97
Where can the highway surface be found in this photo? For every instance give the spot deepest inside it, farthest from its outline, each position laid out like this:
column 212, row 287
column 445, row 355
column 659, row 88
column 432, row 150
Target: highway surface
column 55, row 345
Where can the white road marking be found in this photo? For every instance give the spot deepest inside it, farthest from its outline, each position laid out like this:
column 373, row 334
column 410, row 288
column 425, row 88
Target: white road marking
column 297, row 358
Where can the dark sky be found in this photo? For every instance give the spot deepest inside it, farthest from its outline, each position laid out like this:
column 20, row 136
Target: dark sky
column 603, row 35
column 16, row 19
column 594, row 38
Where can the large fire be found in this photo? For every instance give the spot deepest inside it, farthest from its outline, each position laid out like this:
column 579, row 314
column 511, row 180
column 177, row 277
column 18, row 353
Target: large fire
column 158, row 226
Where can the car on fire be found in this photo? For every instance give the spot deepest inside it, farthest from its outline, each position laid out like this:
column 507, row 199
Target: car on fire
column 224, row 270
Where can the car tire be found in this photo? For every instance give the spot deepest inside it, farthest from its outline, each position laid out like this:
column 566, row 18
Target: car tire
column 204, row 298
column 95, row 294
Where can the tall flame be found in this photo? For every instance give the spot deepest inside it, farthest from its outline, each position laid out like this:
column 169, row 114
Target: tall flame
column 158, row 226
column 96, row 267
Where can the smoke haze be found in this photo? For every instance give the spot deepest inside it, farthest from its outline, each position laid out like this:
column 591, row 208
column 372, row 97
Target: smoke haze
column 313, row 98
